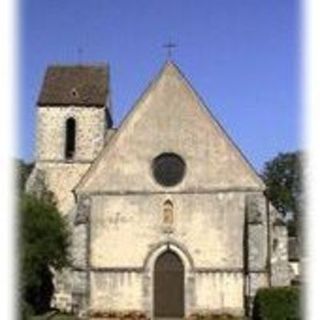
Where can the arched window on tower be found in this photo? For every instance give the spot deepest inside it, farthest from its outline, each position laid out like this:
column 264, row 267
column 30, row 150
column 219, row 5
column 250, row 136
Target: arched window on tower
column 70, row 139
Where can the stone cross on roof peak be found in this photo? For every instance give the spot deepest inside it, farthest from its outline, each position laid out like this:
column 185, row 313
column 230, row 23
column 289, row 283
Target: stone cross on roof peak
column 169, row 46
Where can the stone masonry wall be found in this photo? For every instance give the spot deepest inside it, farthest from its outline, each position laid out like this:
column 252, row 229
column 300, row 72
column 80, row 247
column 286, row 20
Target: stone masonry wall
column 209, row 225
column 61, row 178
column 257, row 249
column 61, row 175
column 126, row 229
column 219, row 292
column 90, row 132
column 80, row 255
column 280, row 269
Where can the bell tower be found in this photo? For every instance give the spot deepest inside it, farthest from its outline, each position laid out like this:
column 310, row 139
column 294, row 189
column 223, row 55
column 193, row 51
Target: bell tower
column 73, row 113
column 73, row 120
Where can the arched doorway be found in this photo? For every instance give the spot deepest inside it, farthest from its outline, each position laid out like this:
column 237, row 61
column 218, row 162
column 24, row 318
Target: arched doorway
column 168, row 286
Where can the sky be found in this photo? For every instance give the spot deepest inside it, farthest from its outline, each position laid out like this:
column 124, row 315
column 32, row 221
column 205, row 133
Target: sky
column 242, row 57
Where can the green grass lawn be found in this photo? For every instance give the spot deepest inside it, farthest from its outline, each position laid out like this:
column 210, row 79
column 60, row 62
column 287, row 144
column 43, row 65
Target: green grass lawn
column 63, row 317
column 57, row 316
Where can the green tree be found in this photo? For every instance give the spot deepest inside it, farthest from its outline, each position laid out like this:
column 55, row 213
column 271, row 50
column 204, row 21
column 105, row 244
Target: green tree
column 283, row 178
column 43, row 244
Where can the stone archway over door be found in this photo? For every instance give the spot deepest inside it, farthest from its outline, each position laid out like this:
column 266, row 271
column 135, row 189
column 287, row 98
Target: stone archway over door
column 168, row 286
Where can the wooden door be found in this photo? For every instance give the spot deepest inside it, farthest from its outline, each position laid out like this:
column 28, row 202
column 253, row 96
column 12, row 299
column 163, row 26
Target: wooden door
column 169, row 286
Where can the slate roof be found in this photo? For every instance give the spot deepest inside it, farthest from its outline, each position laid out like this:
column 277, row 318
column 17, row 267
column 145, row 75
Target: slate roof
column 80, row 85
column 293, row 248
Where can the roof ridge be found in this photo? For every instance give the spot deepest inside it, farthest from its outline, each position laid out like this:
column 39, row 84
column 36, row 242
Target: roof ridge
column 79, row 64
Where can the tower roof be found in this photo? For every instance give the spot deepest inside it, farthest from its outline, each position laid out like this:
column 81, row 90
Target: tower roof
column 80, row 85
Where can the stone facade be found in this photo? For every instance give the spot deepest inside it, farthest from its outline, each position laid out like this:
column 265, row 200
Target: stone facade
column 131, row 216
column 280, row 268
column 216, row 220
column 52, row 170
column 257, row 246
column 62, row 175
column 91, row 128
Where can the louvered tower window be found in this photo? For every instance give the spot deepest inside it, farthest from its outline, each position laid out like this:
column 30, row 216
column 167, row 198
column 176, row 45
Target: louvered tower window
column 70, row 142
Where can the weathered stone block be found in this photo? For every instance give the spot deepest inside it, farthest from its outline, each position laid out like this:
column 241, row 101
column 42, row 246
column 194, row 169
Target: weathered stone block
column 256, row 208
column 83, row 210
column 80, row 282
column 79, row 246
column 257, row 247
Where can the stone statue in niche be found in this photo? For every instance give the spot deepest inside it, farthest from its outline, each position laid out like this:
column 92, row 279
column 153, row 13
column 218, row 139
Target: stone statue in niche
column 167, row 216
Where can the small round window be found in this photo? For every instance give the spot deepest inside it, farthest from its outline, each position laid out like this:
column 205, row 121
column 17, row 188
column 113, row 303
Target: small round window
column 168, row 169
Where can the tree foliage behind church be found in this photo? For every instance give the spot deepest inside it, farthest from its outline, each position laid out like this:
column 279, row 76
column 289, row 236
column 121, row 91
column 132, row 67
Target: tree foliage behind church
column 283, row 178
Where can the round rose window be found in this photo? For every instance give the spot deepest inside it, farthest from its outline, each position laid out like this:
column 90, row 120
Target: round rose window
column 168, row 169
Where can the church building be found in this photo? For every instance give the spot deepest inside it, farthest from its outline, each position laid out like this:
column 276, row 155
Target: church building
column 168, row 217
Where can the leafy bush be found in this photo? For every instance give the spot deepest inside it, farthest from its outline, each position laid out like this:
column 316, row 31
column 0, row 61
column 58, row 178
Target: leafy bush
column 44, row 241
column 26, row 311
column 277, row 304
